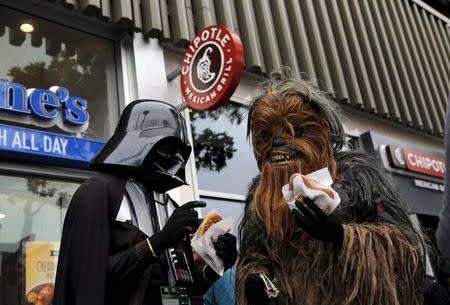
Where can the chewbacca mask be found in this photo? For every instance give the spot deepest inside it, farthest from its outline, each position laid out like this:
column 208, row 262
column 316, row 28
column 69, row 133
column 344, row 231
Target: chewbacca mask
column 294, row 128
column 291, row 133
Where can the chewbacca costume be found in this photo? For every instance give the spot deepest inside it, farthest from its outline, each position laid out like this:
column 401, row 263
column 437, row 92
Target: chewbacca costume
column 379, row 257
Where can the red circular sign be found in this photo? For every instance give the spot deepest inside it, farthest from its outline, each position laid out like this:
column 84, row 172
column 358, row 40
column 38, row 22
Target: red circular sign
column 211, row 68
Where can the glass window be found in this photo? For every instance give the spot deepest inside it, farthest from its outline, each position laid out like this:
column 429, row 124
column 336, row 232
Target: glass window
column 56, row 55
column 32, row 213
column 223, row 156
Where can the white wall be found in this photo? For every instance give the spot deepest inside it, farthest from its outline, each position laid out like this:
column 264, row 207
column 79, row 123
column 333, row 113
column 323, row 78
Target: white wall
column 357, row 122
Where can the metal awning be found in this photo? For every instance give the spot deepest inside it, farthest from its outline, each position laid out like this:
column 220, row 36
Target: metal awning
column 388, row 58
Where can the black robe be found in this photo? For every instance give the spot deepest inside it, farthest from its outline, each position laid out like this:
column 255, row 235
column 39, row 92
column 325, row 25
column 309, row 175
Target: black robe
column 103, row 261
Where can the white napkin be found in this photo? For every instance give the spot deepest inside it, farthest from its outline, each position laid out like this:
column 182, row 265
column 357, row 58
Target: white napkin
column 204, row 247
column 320, row 198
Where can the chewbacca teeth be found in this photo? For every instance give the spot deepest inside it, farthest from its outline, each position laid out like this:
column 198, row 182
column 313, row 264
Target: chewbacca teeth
column 281, row 159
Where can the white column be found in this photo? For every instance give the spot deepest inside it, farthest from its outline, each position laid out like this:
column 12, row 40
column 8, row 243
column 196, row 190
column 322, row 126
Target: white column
column 150, row 69
column 151, row 83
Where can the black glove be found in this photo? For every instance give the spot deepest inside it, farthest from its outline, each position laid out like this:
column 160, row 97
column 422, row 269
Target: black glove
column 226, row 249
column 183, row 220
column 255, row 292
column 320, row 226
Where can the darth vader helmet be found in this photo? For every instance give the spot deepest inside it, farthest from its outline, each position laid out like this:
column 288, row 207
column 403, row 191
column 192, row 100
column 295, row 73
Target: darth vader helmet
column 150, row 143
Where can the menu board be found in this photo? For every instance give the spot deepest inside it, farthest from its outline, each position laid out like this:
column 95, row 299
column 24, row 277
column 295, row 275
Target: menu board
column 41, row 260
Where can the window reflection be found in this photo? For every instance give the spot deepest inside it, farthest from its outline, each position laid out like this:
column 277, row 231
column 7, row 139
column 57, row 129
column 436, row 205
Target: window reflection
column 223, row 156
column 34, row 210
column 54, row 55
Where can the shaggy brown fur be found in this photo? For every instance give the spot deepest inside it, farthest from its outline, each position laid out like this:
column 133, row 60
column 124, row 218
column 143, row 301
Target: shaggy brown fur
column 377, row 264
column 273, row 118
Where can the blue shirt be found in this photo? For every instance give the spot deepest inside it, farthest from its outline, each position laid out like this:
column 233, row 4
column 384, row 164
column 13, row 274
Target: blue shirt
column 222, row 291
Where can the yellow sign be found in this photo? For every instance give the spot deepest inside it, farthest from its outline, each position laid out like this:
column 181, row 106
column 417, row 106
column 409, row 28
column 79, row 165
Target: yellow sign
column 41, row 260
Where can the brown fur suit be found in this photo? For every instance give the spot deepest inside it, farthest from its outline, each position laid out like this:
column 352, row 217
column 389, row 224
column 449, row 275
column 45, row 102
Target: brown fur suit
column 380, row 262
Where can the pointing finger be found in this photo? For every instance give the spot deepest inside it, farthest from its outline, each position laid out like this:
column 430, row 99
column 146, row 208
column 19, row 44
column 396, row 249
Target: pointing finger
column 194, row 204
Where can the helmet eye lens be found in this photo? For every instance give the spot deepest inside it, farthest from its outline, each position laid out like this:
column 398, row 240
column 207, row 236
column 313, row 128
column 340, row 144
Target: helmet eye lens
column 159, row 131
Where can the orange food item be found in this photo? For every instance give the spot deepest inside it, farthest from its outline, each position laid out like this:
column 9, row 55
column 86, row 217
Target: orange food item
column 41, row 296
column 209, row 220
column 32, row 297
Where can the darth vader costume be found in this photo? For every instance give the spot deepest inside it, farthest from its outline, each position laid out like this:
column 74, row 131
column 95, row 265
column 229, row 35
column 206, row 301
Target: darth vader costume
column 113, row 247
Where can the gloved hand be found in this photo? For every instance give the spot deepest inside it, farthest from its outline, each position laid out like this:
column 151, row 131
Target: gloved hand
column 319, row 225
column 183, row 220
column 255, row 292
column 226, row 249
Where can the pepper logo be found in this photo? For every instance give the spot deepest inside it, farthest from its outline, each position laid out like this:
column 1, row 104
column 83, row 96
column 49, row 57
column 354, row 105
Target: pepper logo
column 211, row 68
column 204, row 66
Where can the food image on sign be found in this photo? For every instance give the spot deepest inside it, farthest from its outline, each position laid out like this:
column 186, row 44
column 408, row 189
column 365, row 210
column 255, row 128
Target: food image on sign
column 40, row 294
column 41, row 260
column 211, row 68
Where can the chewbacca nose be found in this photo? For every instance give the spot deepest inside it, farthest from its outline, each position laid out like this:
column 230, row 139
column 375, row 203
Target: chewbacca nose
column 277, row 142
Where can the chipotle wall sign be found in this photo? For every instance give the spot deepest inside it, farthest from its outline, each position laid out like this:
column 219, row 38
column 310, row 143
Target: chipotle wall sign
column 211, row 68
column 414, row 161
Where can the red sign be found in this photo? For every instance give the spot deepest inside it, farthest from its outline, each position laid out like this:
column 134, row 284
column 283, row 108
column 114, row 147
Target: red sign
column 211, row 68
column 417, row 162
column 423, row 163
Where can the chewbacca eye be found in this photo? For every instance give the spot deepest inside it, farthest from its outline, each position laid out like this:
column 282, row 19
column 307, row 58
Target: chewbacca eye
column 266, row 135
column 298, row 132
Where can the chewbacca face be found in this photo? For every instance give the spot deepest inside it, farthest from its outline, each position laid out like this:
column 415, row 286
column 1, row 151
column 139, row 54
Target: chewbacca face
column 289, row 136
column 291, row 133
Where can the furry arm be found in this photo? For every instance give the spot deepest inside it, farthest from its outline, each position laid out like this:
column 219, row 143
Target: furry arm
column 377, row 264
column 380, row 265
column 443, row 230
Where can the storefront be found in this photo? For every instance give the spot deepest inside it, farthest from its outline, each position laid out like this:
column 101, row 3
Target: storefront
column 418, row 173
column 65, row 76
column 87, row 59
column 59, row 102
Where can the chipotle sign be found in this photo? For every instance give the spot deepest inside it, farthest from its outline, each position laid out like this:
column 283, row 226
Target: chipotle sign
column 417, row 162
column 211, row 68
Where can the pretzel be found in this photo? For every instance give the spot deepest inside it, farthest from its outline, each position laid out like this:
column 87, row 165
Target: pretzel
column 209, row 220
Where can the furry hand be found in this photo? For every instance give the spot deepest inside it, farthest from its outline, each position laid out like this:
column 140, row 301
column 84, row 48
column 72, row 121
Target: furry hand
column 255, row 290
column 226, row 249
column 320, row 226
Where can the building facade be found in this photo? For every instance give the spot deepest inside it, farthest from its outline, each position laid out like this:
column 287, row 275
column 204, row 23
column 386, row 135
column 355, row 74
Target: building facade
column 64, row 83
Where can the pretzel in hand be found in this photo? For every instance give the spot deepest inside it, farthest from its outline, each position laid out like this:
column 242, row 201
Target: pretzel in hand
column 209, row 220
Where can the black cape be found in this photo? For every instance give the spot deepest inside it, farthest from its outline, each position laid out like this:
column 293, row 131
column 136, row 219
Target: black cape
column 107, row 262
column 102, row 261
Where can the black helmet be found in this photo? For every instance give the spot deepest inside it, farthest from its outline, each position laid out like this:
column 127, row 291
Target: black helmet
column 150, row 143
